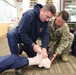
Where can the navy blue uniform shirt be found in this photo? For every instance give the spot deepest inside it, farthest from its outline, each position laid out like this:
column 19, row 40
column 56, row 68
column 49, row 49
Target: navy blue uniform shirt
column 31, row 27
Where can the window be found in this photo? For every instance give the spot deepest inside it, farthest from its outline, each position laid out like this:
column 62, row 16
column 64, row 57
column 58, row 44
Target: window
column 32, row 3
column 70, row 6
column 68, row 2
column 49, row 1
column 8, row 12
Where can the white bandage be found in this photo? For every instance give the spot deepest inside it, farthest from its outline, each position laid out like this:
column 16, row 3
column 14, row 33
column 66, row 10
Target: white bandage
column 35, row 60
column 46, row 63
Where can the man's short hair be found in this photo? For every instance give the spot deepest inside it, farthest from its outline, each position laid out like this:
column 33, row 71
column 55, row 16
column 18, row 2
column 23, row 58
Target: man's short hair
column 64, row 14
column 50, row 7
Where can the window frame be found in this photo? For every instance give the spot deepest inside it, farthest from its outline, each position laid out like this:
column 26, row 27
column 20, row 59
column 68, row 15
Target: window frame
column 49, row 0
column 33, row 5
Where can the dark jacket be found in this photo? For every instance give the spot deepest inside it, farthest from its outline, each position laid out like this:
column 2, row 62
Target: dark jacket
column 30, row 27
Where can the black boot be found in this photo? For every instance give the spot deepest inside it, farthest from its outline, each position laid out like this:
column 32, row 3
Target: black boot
column 19, row 71
column 50, row 53
column 21, row 48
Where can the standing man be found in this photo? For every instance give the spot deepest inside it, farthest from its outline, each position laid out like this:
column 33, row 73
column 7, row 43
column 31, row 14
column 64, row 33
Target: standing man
column 60, row 37
column 33, row 24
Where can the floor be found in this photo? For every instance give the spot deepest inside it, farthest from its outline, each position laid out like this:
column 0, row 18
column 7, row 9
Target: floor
column 57, row 68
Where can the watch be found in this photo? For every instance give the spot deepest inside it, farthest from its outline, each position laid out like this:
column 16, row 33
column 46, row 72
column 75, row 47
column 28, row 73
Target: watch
column 33, row 45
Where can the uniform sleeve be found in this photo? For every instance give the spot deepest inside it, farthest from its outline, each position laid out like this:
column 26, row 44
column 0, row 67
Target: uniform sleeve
column 24, row 27
column 45, row 37
column 64, row 42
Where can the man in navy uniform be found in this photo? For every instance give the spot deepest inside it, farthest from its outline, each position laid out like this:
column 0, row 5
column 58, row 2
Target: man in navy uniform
column 33, row 24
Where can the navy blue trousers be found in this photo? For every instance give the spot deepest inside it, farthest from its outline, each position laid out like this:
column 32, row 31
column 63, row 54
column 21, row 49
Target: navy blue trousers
column 14, row 39
column 12, row 61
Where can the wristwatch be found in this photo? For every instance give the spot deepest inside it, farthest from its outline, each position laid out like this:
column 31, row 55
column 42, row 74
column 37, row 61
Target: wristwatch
column 33, row 45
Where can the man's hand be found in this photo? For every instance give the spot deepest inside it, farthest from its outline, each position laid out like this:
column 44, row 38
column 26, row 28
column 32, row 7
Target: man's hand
column 53, row 57
column 44, row 53
column 37, row 48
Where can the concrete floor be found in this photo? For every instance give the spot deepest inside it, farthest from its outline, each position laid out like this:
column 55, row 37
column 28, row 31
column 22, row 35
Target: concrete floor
column 57, row 68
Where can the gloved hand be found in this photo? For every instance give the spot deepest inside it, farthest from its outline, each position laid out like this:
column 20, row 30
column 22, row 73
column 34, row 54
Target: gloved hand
column 46, row 63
